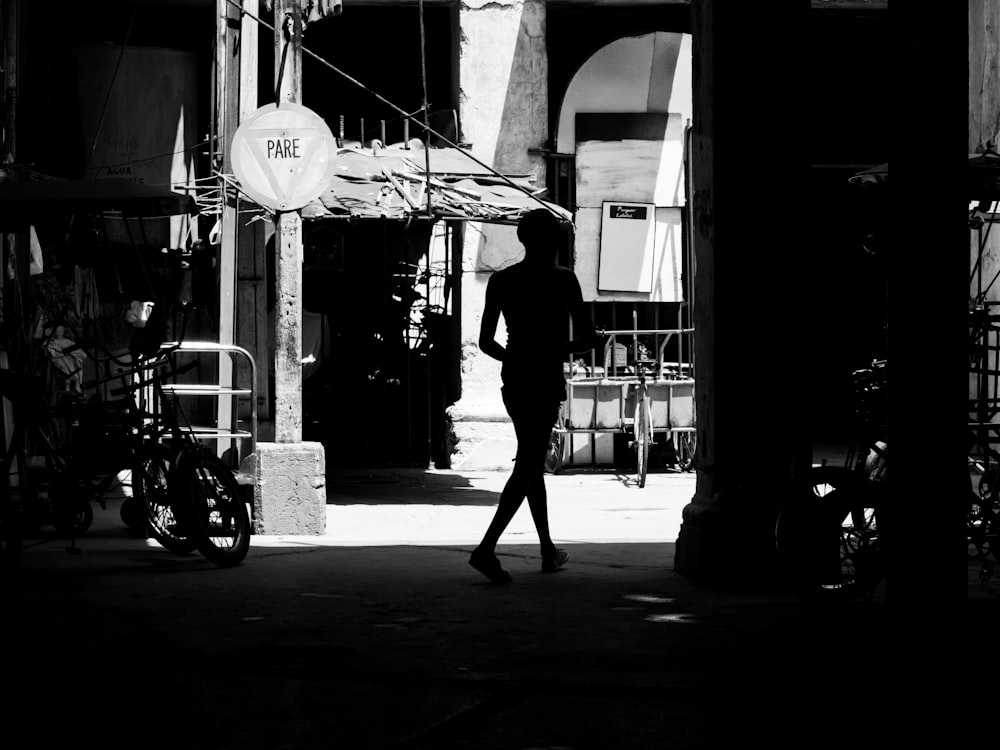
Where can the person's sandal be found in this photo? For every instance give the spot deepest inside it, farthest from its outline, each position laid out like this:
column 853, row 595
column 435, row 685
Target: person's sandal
column 554, row 560
column 489, row 566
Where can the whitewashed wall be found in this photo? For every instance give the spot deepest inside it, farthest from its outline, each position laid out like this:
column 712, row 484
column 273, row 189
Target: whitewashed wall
column 648, row 73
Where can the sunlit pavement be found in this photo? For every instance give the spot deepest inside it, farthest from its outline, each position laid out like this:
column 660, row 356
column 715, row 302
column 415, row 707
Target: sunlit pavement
column 453, row 507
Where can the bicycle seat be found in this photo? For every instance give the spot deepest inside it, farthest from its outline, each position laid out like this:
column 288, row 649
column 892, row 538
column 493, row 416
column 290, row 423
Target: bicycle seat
column 644, row 365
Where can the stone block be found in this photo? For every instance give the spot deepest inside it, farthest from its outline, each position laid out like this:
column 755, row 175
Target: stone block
column 290, row 496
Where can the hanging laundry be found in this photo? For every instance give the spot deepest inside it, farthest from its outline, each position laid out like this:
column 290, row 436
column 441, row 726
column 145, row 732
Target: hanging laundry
column 36, row 264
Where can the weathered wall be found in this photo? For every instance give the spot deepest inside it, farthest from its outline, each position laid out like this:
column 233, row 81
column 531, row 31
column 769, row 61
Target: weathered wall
column 984, row 72
column 647, row 73
column 151, row 110
column 503, row 73
column 650, row 73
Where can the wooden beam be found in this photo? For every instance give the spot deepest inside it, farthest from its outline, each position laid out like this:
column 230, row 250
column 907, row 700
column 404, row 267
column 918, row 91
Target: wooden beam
column 227, row 98
column 251, row 264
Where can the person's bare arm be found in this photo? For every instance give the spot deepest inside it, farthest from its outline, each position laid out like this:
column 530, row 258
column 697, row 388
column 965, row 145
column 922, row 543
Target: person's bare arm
column 585, row 336
column 488, row 343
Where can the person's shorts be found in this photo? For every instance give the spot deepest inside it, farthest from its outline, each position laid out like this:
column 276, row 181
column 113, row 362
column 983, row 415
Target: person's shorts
column 532, row 405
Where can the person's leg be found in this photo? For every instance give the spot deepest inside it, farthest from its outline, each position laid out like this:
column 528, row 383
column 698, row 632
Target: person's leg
column 533, row 422
column 484, row 558
column 537, row 445
column 538, row 504
column 520, row 479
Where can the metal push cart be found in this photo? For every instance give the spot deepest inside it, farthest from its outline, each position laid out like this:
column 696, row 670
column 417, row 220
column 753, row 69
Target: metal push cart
column 644, row 389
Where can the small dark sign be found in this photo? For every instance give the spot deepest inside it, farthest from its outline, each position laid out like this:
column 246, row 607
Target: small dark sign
column 628, row 212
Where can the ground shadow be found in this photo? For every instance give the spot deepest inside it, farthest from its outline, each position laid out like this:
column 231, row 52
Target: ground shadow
column 404, row 487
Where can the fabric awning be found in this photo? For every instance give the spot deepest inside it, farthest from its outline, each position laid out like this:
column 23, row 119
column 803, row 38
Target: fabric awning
column 392, row 183
column 33, row 202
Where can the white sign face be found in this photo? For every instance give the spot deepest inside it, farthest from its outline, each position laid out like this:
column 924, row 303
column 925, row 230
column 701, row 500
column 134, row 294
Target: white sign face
column 627, row 246
column 283, row 156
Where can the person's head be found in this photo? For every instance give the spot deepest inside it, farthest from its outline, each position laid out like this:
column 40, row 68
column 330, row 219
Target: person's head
column 538, row 231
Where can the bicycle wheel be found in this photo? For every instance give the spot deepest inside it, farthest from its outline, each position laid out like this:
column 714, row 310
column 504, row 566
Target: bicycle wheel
column 643, row 437
column 827, row 535
column 210, row 506
column 554, row 453
column 982, row 527
column 686, row 443
column 150, row 488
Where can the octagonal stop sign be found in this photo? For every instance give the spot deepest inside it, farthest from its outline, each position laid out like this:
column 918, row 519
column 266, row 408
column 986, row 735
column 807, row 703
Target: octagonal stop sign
column 283, row 156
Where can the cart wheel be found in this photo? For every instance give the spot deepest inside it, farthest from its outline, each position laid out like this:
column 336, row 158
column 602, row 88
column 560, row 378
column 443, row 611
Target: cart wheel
column 149, row 482
column 72, row 517
column 210, row 506
column 643, row 438
column 132, row 514
column 685, row 446
column 554, row 455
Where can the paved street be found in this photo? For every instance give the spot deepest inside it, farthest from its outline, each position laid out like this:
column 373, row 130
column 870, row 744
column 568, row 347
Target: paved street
column 379, row 635
column 454, row 507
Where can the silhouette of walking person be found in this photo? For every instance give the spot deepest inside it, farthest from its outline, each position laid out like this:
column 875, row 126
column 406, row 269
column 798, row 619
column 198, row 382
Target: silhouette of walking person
column 537, row 298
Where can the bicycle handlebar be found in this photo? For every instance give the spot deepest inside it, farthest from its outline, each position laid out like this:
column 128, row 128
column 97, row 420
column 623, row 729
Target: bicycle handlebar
column 640, row 331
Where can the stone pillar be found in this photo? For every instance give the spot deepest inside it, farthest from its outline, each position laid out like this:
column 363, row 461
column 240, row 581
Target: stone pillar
column 748, row 168
column 291, row 492
column 503, row 70
column 929, row 298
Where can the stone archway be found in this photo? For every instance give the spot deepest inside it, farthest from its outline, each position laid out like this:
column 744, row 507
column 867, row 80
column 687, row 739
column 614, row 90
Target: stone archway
column 645, row 73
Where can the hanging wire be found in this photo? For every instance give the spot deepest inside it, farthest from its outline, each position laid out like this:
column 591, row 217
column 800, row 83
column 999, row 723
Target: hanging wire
column 399, row 110
column 427, row 120
column 140, row 159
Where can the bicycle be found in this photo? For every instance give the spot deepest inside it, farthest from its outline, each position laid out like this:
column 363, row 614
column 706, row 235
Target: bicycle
column 635, row 398
column 186, row 497
column 826, row 534
column 63, row 456
column 43, row 484
column 642, row 421
column 152, row 457
column 190, row 495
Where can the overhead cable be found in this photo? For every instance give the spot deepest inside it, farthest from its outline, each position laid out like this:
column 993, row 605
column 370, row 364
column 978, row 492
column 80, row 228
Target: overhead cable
column 398, row 110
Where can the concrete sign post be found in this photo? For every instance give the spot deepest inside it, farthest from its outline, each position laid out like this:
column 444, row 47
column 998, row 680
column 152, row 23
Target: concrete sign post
column 283, row 156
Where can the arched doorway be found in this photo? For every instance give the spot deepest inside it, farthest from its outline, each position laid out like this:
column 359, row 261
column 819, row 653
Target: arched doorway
column 646, row 73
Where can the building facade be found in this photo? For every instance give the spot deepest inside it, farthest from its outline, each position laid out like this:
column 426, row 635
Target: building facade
column 512, row 82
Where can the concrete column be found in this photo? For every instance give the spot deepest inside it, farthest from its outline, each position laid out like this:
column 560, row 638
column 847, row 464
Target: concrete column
column 291, row 494
column 929, row 296
column 503, row 70
column 748, row 163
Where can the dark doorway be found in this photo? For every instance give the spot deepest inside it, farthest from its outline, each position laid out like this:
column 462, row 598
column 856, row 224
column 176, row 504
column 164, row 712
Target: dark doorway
column 380, row 48
column 387, row 362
